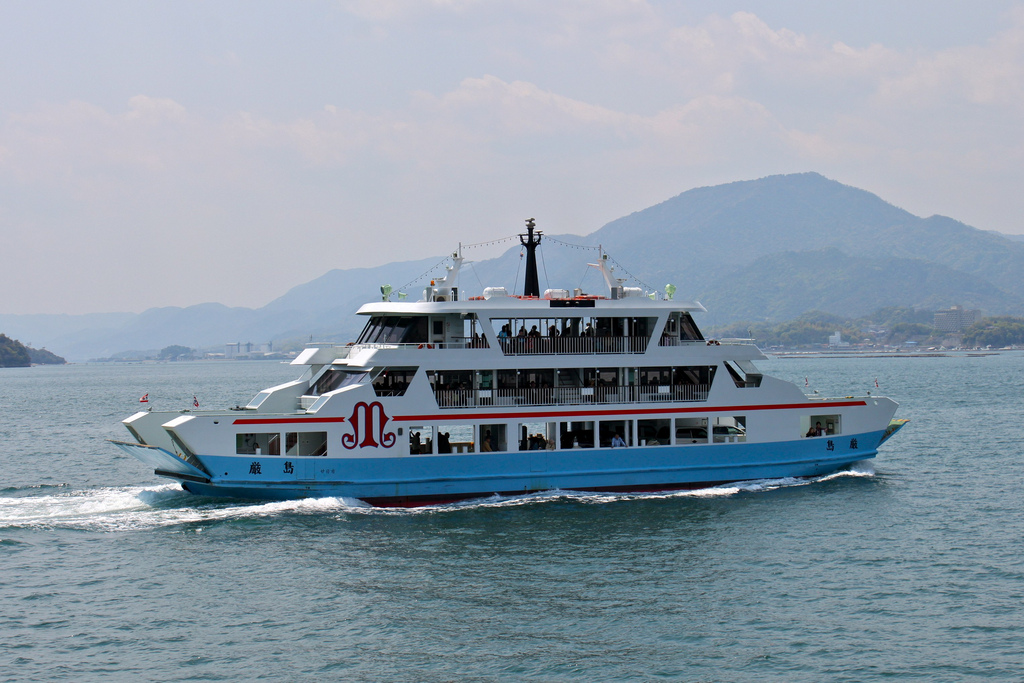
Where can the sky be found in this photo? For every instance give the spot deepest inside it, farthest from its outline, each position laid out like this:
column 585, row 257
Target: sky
column 173, row 153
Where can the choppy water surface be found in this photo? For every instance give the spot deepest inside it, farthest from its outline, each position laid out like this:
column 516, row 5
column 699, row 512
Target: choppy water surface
column 908, row 567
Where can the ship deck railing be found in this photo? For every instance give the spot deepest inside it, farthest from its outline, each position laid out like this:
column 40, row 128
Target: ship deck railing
column 527, row 346
column 347, row 350
column 676, row 341
column 533, row 346
column 558, row 396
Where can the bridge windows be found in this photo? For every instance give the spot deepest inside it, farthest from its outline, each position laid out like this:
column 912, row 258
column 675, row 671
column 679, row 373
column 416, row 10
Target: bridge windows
column 680, row 328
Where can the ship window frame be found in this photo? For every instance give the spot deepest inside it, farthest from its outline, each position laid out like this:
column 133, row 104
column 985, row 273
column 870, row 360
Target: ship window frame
column 584, row 431
column 247, row 442
column 720, row 422
column 526, row 431
column 426, row 446
column 607, row 428
column 499, row 436
column 371, row 329
column 745, row 374
column 390, row 322
column 688, row 330
column 832, row 422
column 297, row 444
column 682, row 425
column 662, row 427
column 339, row 379
column 407, row 373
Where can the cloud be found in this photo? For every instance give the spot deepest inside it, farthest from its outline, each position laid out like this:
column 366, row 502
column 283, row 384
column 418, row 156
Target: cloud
column 990, row 75
column 574, row 110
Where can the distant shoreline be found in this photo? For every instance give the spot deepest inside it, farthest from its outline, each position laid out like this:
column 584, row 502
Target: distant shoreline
column 882, row 354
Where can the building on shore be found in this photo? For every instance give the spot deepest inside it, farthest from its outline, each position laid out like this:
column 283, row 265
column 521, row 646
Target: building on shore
column 955, row 319
column 835, row 341
column 243, row 349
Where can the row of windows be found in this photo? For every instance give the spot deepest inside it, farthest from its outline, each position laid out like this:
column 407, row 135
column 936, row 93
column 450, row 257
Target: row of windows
column 528, row 436
column 570, row 377
column 393, row 329
column 394, row 381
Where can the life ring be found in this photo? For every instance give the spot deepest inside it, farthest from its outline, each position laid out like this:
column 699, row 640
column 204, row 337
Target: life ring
column 420, row 346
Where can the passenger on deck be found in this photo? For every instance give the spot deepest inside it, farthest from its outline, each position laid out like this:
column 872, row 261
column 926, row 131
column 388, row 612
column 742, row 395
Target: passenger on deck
column 488, row 445
column 617, row 441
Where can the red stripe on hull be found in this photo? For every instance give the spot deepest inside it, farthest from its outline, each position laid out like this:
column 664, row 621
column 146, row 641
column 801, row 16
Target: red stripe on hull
column 284, row 420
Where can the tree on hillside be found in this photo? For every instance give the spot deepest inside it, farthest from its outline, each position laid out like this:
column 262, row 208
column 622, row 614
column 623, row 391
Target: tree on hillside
column 892, row 315
column 175, row 352
column 44, row 357
column 1001, row 331
column 13, row 354
column 811, row 328
column 901, row 332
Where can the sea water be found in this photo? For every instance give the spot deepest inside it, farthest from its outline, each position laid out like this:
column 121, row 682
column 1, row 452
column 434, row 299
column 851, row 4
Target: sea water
column 907, row 567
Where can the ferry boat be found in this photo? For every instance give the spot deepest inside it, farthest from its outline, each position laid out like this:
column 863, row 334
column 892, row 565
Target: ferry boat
column 454, row 397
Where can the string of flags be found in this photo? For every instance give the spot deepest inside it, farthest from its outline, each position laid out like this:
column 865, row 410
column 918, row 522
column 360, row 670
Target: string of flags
column 426, row 273
column 485, row 244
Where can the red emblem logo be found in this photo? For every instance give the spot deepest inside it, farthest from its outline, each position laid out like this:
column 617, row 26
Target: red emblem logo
column 368, row 420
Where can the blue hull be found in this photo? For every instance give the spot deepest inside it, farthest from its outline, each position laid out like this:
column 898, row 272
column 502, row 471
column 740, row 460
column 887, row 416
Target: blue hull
column 423, row 480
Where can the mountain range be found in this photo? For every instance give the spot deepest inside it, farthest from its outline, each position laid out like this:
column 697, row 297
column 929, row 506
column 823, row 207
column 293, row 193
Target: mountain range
column 766, row 249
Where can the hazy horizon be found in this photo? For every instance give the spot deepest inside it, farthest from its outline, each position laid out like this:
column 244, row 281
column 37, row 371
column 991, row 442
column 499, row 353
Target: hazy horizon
column 170, row 155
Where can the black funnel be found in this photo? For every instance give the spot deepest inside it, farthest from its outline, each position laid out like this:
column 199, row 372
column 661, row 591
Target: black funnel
column 532, row 286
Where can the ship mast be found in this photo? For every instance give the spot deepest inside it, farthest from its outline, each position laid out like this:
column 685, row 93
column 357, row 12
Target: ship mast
column 532, row 285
